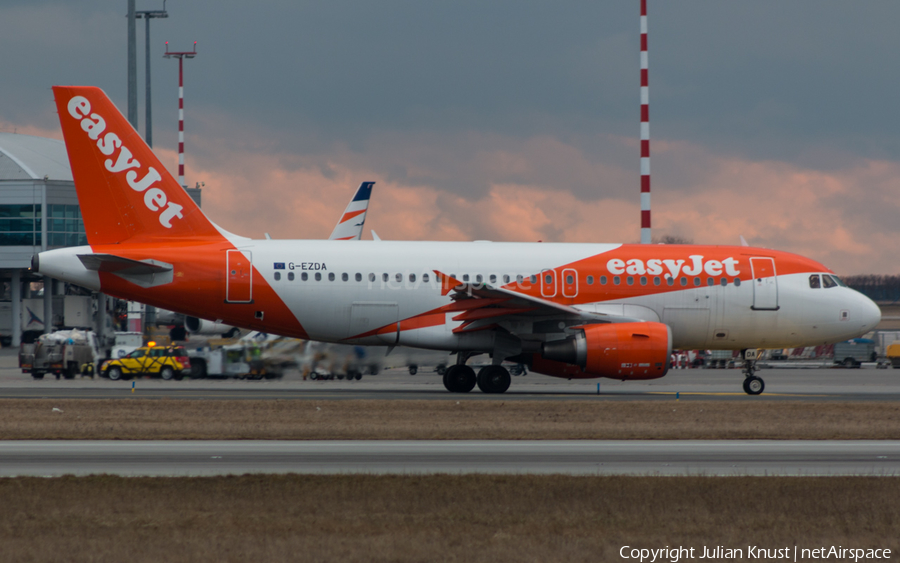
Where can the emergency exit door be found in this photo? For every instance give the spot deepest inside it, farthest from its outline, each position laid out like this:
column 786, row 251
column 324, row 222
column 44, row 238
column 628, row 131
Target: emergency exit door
column 239, row 277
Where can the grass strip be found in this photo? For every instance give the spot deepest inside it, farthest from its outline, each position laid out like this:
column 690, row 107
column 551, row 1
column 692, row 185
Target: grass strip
column 166, row 419
column 471, row 518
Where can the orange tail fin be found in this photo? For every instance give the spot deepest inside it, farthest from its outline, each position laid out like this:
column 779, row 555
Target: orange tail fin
column 125, row 193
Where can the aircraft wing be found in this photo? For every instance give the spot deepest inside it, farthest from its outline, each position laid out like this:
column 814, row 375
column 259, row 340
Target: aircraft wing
column 483, row 305
column 350, row 225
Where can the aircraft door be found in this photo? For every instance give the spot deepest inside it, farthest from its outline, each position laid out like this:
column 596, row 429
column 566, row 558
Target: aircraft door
column 548, row 283
column 765, row 284
column 239, row 277
column 569, row 283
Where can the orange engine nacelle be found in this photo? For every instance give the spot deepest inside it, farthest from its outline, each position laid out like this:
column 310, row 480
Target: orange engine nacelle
column 618, row 351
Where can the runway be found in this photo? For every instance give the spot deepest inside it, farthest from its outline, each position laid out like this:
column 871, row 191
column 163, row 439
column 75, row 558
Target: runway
column 680, row 457
column 857, row 385
column 817, row 384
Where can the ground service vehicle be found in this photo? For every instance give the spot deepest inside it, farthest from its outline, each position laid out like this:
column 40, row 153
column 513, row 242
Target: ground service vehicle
column 168, row 362
column 893, row 354
column 569, row 310
column 854, row 352
column 65, row 353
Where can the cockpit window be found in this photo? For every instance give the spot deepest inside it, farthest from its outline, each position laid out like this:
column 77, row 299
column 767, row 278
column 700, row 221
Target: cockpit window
column 827, row 281
column 838, row 281
column 814, row 281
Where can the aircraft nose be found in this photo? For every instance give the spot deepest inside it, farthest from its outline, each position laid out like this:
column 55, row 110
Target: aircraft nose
column 870, row 313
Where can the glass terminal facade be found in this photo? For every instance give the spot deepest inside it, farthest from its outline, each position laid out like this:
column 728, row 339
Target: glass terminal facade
column 20, row 225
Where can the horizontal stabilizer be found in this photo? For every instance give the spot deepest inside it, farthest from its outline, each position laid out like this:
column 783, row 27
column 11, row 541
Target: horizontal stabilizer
column 145, row 273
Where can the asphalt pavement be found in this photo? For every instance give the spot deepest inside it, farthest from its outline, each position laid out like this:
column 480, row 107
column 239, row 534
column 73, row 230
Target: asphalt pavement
column 819, row 384
column 588, row 457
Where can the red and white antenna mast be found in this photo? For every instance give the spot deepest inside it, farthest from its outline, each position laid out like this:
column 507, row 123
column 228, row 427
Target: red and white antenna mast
column 181, row 56
column 645, row 132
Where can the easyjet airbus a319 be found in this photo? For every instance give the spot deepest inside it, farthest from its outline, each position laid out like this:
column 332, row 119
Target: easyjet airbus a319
column 566, row 310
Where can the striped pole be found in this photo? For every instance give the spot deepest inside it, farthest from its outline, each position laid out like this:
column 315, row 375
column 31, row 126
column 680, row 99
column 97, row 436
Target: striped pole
column 645, row 132
column 181, row 122
column 181, row 56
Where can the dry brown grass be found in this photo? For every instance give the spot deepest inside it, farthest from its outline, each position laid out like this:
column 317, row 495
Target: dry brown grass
column 141, row 419
column 432, row 518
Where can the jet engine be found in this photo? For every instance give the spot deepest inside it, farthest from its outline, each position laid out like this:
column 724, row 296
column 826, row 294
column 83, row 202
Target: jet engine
column 209, row 328
column 615, row 350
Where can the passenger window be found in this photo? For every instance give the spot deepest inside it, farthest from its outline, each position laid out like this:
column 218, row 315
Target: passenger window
column 548, row 279
column 533, row 279
column 723, row 282
column 371, row 277
column 277, row 276
column 602, row 280
column 493, row 278
column 425, row 278
column 465, row 277
column 330, row 276
column 630, row 280
column 358, row 277
column 478, row 278
column 506, row 278
column 696, row 282
column 656, row 280
column 683, row 281
column 304, row 276
column 384, row 277
column 569, row 279
column 344, row 277
column 737, row 282
column 590, row 280
column 398, row 277
column 412, row 278
column 318, row 276
column 643, row 280
column 710, row 282
column 670, row 280
column 828, row 282
column 290, row 276
column 617, row 280
column 814, row 281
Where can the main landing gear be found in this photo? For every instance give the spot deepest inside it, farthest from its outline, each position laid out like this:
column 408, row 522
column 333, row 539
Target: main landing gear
column 753, row 385
column 460, row 378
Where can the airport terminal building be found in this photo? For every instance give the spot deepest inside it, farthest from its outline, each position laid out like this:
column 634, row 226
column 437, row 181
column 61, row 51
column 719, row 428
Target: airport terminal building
column 38, row 211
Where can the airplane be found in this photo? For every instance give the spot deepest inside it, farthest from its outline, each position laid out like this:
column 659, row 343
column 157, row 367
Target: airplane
column 569, row 310
column 349, row 227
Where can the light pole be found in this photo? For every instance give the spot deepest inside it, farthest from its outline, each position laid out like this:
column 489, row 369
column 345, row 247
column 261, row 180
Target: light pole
column 148, row 15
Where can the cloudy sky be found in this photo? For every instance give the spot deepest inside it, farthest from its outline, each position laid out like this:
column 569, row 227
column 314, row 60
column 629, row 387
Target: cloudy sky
column 506, row 120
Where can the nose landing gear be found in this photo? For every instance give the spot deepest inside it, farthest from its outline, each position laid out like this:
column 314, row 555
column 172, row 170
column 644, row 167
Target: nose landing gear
column 753, row 385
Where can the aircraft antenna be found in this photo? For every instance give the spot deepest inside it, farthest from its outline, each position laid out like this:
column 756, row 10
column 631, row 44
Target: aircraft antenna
column 181, row 56
column 645, row 132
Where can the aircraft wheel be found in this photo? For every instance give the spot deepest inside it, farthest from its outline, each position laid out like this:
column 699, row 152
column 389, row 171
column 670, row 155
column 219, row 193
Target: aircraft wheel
column 441, row 369
column 459, row 379
column 493, row 379
column 358, row 376
column 754, row 385
column 413, row 370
